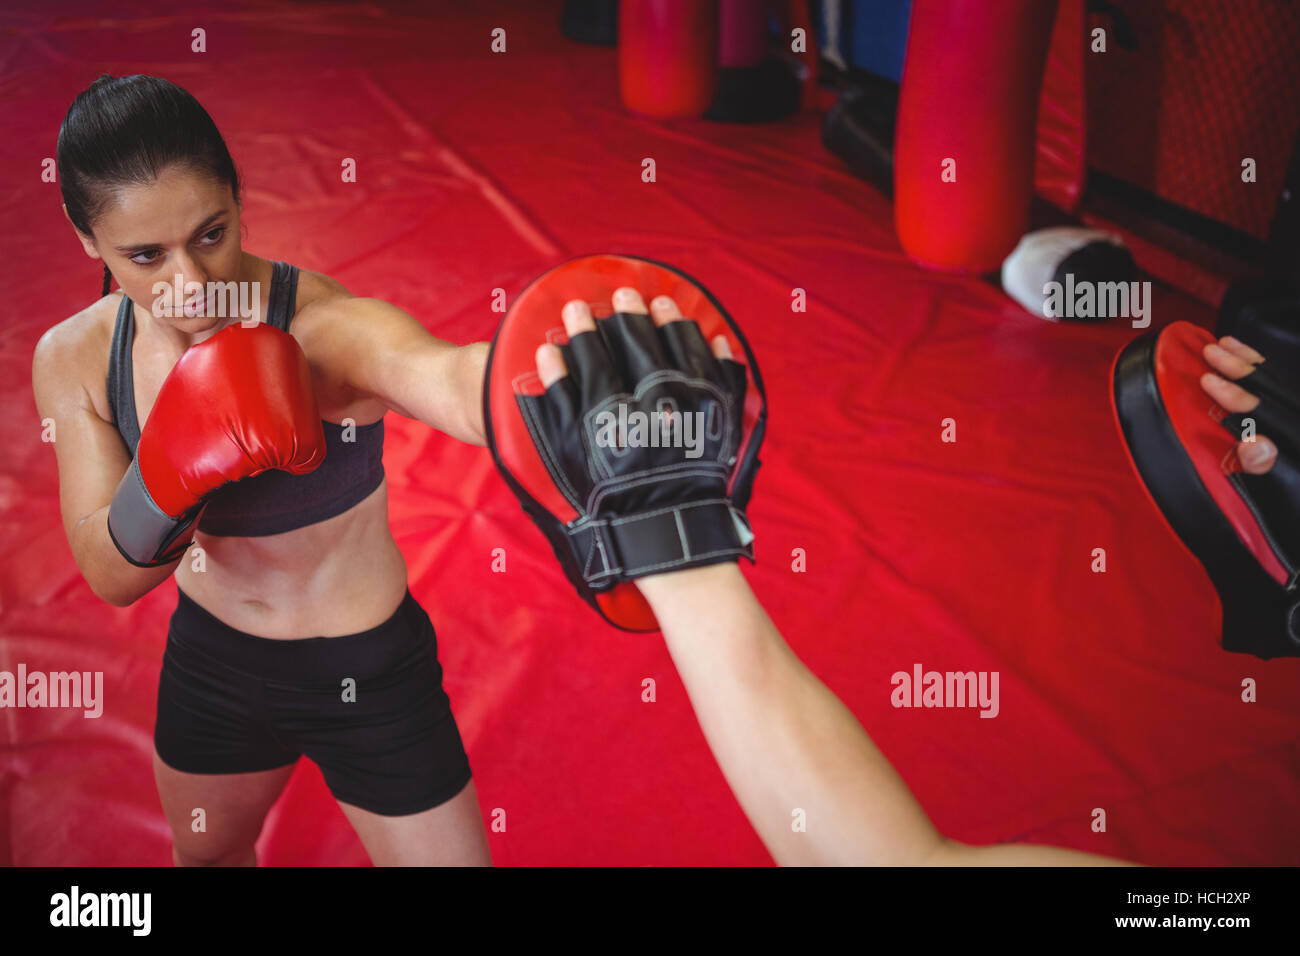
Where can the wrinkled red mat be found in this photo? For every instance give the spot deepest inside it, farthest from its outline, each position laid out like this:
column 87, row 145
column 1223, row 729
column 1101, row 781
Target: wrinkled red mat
column 478, row 171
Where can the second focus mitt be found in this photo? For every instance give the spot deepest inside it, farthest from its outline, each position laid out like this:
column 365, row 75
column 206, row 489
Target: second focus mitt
column 1244, row 528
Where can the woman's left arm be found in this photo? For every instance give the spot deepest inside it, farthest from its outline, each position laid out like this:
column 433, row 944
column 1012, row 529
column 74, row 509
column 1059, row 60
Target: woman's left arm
column 378, row 351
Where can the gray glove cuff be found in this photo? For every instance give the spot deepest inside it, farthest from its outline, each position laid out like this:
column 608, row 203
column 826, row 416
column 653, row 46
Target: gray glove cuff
column 144, row 534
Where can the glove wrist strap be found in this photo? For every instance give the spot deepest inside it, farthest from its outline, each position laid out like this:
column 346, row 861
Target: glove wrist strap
column 666, row 539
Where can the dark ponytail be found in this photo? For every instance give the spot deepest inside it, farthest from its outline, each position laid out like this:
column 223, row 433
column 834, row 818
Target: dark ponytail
column 125, row 131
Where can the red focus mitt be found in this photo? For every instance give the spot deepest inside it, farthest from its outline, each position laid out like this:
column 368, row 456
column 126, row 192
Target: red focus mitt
column 1244, row 529
column 641, row 460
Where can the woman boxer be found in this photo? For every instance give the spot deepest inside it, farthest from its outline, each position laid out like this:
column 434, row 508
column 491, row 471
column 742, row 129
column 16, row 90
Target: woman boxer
column 294, row 631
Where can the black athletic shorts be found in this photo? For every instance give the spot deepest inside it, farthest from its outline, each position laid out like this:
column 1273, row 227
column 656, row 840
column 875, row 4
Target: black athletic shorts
column 367, row 708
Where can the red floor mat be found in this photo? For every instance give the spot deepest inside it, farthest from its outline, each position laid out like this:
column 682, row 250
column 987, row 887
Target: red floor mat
column 478, row 171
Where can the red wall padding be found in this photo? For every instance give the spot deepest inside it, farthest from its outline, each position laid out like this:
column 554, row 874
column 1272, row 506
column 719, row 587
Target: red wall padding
column 1209, row 84
column 1060, row 164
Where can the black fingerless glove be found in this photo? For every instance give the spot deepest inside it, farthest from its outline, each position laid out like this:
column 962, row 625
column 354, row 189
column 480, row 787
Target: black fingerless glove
column 1275, row 495
column 642, row 437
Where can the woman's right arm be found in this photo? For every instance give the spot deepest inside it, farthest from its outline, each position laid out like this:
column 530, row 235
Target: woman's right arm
column 92, row 460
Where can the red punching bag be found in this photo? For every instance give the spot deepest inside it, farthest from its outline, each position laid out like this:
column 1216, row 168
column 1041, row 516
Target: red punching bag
column 964, row 148
column 667, row 56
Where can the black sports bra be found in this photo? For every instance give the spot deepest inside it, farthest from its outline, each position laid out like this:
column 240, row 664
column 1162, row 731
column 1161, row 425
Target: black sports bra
column 274, row 501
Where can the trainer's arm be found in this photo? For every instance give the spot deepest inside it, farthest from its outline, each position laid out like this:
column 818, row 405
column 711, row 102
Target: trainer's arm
column 92, row 460
column 784, row 741
column 385, row 354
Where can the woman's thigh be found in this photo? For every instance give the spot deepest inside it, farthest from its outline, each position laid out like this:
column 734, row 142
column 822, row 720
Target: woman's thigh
column 450, row 834
column 215, row 818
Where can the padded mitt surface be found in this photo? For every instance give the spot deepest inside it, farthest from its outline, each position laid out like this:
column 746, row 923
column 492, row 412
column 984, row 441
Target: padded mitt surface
column 533, row 320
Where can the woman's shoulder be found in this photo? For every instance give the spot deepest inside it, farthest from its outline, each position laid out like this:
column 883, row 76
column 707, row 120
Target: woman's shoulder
column 316, row 288
column 74, row 352
column 94, row 320
column 81, row 337
column 323, row 305
column 324, row 324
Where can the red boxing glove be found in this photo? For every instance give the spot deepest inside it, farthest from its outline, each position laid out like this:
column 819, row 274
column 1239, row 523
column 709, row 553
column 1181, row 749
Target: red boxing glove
column 234, row 406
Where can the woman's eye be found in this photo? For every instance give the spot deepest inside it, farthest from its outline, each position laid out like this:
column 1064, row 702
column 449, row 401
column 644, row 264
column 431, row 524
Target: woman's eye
column 209, row 238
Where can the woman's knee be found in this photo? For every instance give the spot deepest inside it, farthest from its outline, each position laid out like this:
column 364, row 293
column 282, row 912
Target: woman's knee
column 202, row 856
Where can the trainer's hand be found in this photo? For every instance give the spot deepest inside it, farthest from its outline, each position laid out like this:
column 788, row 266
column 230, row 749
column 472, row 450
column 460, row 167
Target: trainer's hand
column 1234, row 359
column 643, row 432
column 578, row 318
column 233, row 406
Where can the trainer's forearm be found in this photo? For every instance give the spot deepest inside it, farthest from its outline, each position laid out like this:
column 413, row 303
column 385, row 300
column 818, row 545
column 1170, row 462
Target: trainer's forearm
column 953, row 853
column 111, row 576
column 784, row 742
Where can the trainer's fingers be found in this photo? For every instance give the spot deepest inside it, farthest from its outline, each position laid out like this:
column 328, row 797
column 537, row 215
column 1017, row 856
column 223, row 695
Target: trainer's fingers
column 577, row 317
column 627, row 299
column 721, row 348
column 664, row 310
column 1257, row 456
column 550, row 365
column 1230, row 396
column 1226, row 363
column 1240, row 349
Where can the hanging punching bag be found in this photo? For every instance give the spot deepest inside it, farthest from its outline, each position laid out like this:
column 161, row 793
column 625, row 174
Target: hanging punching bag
column 967, row 110
column 667, row 56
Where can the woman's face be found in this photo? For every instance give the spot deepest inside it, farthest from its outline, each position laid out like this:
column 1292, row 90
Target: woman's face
column 184, row 223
